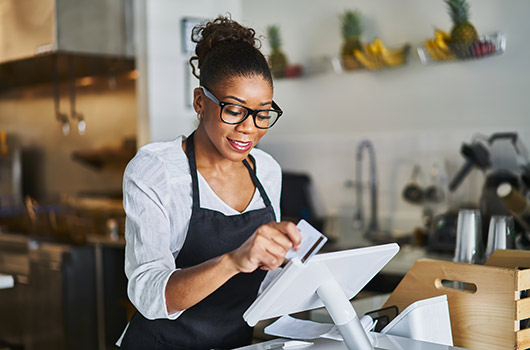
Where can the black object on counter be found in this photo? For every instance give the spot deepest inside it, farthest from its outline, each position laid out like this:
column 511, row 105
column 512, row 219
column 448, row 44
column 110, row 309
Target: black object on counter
column 443, row 232
column 296, row 202
column 383, row 316
column 525, row 177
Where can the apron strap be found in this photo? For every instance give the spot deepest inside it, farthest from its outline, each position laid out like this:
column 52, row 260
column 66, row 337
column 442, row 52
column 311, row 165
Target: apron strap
column 256, row 181
column 193, row 171
column 195, row 182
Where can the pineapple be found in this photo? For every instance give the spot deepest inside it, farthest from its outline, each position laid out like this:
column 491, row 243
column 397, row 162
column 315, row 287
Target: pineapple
column 351, row 32
column 463, row 33
column 277, row 59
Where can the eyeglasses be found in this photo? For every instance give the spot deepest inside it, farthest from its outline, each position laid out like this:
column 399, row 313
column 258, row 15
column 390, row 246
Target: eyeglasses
column 232, row 113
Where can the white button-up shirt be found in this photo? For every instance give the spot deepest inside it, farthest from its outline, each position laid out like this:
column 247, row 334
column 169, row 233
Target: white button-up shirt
column 158, row 200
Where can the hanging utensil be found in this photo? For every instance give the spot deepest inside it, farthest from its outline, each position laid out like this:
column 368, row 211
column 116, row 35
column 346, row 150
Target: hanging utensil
column 81, row 124
column 434, row 193
column 413, row 192
column 61, row 117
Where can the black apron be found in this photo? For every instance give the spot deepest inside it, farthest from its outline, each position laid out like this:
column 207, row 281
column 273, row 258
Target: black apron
column 217, row 321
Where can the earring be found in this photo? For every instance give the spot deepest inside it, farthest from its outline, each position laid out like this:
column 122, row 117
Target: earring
column 199, row 117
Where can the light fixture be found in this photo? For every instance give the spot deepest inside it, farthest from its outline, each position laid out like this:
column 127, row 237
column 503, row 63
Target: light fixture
column 133, row 74
column 86, row 81
column 81, row 126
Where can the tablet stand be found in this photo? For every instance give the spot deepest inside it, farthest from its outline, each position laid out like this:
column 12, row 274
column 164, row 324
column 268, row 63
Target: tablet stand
column 344, row 316
column 329, row 280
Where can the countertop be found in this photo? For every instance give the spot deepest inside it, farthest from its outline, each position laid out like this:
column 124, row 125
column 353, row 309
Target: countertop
column 342, row 236
column 106, row 240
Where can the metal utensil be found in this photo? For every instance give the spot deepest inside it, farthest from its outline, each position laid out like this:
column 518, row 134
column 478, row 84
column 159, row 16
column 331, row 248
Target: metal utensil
column 434, row 193
column 412, row 192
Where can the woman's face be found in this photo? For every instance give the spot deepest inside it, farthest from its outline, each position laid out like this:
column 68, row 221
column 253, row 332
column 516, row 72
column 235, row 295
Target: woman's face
column 233, row 142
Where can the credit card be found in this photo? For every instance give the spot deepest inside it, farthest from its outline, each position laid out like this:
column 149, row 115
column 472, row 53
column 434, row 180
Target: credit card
column 312, row 242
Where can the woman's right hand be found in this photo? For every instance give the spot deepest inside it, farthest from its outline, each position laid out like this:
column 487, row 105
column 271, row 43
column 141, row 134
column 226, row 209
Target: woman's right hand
column 267, row 247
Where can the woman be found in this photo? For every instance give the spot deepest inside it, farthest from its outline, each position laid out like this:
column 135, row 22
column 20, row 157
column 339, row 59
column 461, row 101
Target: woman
column 201, row 211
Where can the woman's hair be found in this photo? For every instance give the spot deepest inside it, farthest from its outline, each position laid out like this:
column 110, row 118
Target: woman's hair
column 225, row 49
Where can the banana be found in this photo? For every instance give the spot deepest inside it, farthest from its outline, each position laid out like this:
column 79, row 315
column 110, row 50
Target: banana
column 372, row 49
column 445, row 36
column 440, row 42
column 371, row 62
column 380, row 47
column 437, row 53
column 376, row 55
column 443, row 52
column 395, row 58
column 440, row 47
column 431, row 49
column 383, row 56
column 367, row 49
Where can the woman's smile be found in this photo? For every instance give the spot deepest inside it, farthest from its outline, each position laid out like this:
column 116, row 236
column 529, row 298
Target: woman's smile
column 240, row 146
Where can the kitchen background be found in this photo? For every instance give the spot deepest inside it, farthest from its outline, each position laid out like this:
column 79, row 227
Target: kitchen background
column 415, row 115
column 110, row 115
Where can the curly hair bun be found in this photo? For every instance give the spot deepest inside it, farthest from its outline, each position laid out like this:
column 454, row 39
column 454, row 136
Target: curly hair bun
column 221, row 30
column 222, row 43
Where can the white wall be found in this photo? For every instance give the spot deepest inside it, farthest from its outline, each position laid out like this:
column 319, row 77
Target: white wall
column 164, row 112
column 414, row 114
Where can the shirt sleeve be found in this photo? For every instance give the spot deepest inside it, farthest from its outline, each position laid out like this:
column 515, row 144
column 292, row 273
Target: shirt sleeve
column 148, row 259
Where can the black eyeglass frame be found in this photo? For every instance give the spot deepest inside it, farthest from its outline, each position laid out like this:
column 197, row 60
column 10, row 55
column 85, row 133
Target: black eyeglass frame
column 250, row 111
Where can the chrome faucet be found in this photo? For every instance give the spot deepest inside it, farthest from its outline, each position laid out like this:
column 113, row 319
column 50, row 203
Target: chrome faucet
column 358, row 220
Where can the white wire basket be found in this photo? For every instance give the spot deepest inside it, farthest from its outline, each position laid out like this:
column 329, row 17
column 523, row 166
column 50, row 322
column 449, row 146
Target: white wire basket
column 487, row 46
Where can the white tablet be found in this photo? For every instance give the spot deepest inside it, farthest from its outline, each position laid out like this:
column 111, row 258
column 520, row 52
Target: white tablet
column 294, row 289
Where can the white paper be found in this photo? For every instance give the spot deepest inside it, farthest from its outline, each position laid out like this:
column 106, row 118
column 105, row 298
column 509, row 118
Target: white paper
column 333, row 334
column 291, row 344
column 293, row 328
